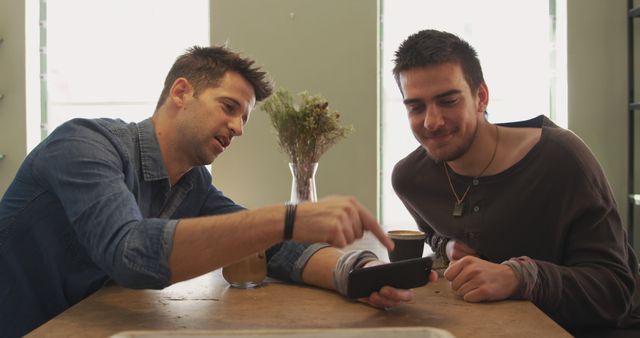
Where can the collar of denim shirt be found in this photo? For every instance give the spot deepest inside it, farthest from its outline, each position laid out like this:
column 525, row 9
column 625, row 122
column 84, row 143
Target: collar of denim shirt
column 150, row 156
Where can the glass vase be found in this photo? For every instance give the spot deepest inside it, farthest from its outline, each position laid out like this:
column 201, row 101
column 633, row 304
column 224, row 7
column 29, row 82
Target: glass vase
column 303, row 183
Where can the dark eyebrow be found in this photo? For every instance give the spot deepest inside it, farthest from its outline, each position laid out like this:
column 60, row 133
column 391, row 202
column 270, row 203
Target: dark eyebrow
column 448, row 93
column 437, row 96
column 411, row 101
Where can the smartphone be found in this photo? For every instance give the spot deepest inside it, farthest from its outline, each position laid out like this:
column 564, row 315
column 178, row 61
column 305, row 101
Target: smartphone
column 406, row 274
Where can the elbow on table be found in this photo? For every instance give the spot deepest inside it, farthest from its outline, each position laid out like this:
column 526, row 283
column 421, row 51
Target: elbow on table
column 613, row 311
column 137, row 278
column 622, row 300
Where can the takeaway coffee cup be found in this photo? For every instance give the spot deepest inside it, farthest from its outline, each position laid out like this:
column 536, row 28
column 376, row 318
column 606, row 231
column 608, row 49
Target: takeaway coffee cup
column 247, row 273
column 408, row 244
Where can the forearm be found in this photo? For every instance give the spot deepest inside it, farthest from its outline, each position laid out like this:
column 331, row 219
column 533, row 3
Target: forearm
column 207, row 243
column 330, row 267
column 319, row 268
column 204, row 244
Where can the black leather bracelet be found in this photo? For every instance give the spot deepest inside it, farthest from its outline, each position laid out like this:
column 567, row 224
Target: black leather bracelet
column 289, row 219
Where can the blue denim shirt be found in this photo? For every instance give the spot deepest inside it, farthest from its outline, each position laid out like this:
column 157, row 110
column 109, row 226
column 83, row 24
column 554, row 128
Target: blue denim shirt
column 92, row 203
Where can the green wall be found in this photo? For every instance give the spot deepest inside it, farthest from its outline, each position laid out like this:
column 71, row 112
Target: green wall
column 597, row 78
column 13, row 107
column 326, row 47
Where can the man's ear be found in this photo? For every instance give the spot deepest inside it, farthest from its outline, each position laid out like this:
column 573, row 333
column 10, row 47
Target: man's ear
column 180, row 91
column 483, row 97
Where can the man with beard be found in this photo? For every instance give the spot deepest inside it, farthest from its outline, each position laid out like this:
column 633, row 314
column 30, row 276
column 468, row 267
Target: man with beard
column 521, row 210
column 102, row 200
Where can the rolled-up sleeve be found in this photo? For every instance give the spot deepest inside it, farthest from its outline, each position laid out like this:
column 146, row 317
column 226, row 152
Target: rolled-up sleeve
column 288, row 259
column 86, row 170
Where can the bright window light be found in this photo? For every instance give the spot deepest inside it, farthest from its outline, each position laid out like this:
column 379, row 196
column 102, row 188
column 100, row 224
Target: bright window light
column 109, row 58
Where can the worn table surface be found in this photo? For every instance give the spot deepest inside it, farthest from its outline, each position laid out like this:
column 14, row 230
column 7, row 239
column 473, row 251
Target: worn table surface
column 207, row 303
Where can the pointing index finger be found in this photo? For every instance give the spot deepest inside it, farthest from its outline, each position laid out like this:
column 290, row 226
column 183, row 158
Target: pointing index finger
column 382, row 237
column 370, row 223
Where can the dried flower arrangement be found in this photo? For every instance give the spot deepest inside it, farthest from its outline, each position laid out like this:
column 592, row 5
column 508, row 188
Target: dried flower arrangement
column 305, row 132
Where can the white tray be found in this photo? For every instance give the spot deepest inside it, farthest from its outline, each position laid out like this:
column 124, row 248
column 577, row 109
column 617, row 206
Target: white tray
column 404, row 332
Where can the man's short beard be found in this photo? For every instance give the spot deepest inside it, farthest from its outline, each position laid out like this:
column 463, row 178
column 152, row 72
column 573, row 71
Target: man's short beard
column 459, row 152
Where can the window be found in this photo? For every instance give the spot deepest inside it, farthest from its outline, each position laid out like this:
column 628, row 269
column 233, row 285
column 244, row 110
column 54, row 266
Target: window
column 109, row 58
column 521, row 46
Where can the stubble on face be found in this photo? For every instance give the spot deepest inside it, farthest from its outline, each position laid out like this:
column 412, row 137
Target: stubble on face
column 453, row 154
column 212, row 116
column 194, row 138
column 441, row 90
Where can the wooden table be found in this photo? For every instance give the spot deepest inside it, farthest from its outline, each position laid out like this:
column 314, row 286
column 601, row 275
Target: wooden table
column 207, row 303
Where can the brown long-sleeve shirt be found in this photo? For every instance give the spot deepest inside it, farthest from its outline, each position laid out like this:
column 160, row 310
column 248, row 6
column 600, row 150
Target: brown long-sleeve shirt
column 555, row 206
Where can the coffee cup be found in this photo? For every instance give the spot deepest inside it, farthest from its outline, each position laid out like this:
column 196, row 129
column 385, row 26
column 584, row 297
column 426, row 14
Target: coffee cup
column 249, row 272
column 408, row 244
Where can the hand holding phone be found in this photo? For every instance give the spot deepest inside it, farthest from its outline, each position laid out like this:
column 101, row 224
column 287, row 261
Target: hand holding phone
column 405, row 274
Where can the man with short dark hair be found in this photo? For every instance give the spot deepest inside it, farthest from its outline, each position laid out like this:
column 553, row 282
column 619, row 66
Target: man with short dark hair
column 521, row 210
column 102, row 200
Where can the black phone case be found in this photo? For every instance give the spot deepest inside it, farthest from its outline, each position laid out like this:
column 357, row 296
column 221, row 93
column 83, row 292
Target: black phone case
column 407, row 274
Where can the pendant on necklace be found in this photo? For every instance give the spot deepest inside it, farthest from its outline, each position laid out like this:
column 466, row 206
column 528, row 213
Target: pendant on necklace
column 458, row 208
